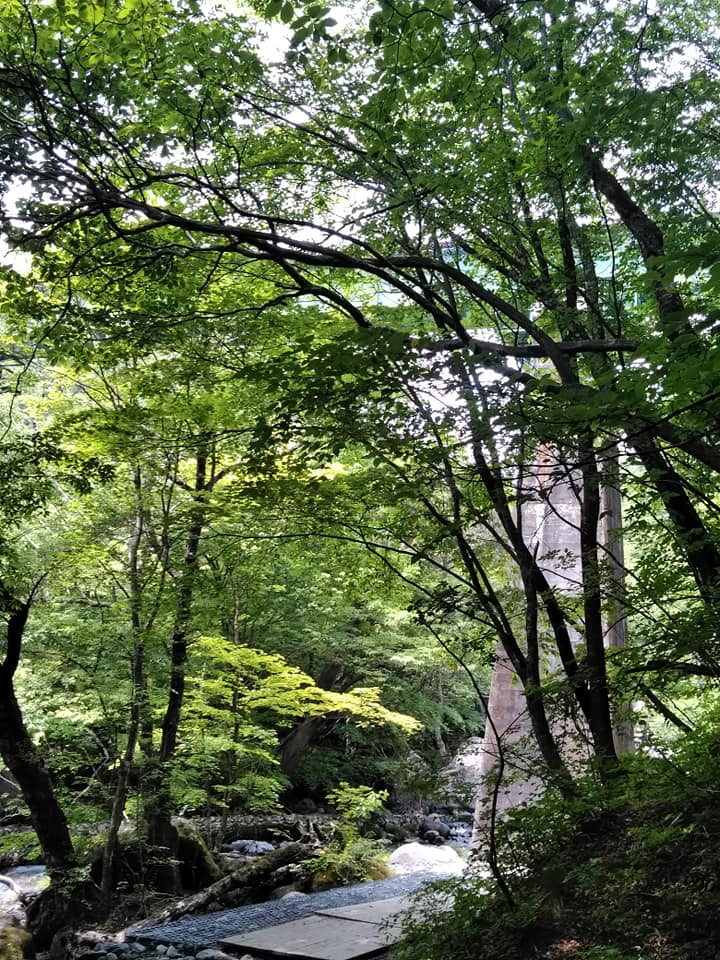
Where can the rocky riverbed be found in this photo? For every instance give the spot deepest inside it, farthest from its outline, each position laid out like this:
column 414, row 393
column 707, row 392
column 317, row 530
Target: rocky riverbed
column 435, row 848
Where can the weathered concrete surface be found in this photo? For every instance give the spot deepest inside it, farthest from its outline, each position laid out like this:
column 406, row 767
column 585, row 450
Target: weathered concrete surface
column 317, row 938
column 550, row 526
column 378, row 911
column 340, row 933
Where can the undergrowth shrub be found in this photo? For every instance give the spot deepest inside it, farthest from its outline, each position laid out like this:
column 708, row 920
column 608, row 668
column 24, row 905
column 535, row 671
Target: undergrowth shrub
column 360, row 859
column 351, row 857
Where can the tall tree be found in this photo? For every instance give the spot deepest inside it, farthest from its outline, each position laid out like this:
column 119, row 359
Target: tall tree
column 20, row 754
column 490, row 199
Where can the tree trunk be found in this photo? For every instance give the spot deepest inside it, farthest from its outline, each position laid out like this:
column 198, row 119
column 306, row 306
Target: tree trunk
column 26, row 766
column 121, row 787
column 649, row 238
column 615, row 621
column 295, row 745
column 138, row 694
column 598, row 695
column 702, row 554
column 23, row 761
column 250, row 883
column 161, row 832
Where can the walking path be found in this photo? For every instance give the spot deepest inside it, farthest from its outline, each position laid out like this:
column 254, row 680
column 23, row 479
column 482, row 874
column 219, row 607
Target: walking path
column 211, row 929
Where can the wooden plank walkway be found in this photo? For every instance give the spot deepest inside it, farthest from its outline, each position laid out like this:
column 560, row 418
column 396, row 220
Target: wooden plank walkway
column 358, row 932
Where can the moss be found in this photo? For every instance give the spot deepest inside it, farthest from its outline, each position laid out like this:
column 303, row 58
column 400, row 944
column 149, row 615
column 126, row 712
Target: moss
column 359, row 860
column 198, row 868
column 12, row 943
column 20, row 847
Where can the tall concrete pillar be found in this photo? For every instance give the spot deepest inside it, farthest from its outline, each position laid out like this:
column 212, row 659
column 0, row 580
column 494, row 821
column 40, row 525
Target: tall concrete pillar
column 550, row 523
column 615, row 624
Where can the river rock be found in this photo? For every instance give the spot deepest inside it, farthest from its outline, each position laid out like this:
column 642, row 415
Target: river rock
column 211, row 954
column 286, row 890
column 418, row 857
column 249, row 848
column 432, row 836
column 433, row 825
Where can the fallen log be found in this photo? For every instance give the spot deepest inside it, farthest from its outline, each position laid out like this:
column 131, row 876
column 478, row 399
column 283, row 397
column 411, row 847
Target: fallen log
column 250, row 883
column 299, row 827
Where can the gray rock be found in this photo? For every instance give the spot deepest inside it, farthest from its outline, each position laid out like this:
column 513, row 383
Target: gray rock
column 280, row 892
column 211, row 954
column 161, row 949
column 91, row 938
column 12, row 915
column 121, row 948
column 432, row 836
column 250, row 848
column 172, row 951
column 431, row 824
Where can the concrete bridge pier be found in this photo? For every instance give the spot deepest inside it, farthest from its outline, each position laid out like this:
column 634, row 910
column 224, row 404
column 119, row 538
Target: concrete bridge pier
column 551, row 527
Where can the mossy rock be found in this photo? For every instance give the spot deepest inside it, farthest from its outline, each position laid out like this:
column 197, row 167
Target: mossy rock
column 198, row 867
column 136, row 862
column 12, row 942
column 19, row 847
column 63, row 905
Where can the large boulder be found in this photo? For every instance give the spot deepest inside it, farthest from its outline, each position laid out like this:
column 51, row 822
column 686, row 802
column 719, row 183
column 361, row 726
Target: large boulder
column 433, row 825
column 421, row 858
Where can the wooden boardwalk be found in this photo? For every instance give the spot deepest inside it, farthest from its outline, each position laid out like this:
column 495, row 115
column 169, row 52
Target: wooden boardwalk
column 357, row 932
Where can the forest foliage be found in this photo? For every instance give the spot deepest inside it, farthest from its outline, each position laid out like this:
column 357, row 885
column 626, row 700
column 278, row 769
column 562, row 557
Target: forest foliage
column 301, row 307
